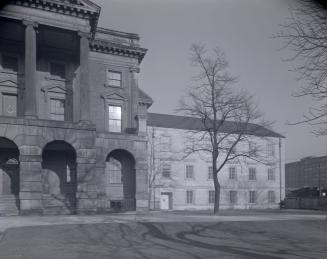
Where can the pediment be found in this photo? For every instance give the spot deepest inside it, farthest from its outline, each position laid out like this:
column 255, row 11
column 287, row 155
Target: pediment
column 8, row 83
column 56, row 89
column 113, row 96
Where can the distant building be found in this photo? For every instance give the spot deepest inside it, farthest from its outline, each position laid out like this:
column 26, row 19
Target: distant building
column 307, row 172
column 186, row 184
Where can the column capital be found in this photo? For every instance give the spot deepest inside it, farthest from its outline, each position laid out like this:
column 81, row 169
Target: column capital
column 30, row 23
column 134, row 69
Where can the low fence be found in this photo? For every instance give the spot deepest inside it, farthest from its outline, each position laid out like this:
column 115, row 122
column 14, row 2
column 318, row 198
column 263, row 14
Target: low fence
column 306, row 203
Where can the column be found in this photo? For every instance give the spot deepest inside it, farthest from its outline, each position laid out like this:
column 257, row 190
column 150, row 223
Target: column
column 134, row 95
column 84, row 77
column 30, row 98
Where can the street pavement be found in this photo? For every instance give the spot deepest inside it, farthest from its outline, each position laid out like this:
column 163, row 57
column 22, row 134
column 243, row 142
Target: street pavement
column 231, row 234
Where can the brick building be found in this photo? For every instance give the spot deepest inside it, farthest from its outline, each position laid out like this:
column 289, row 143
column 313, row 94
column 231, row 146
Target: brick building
column 307, row 172
column 186, row 183
column 72, row 117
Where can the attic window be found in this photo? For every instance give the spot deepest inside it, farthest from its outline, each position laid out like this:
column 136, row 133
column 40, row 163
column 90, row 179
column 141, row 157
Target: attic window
column 114, row 78
column 10, row 63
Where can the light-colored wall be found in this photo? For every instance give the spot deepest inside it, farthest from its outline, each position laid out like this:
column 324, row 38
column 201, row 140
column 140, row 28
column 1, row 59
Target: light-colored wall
column 178, row 184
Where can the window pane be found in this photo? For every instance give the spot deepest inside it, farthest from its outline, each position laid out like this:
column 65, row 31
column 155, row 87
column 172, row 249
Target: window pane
column 113, row 168
column 114, row 78
column 210, row 172
column 166, row 168
column 189, row 197
column 232, row 197
column 211, row 197
column 114, row 118
column 189, row 171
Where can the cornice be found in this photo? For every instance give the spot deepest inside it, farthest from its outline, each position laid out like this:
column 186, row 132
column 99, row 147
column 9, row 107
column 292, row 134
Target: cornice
column 107, row 47
column 81, row 8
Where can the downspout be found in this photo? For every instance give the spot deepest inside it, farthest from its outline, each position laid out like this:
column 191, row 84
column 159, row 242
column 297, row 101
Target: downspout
column 280, row 168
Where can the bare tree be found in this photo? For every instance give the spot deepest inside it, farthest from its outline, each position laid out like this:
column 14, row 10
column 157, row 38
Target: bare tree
column 229, row 118
column 305, row 33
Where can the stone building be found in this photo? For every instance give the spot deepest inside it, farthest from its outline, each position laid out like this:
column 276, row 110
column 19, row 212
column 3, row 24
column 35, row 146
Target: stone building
column 72, row 117
column 178, row 182
column 308, row 172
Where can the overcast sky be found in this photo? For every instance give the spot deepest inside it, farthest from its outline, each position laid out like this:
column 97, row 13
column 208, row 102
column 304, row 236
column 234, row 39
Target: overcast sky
column 243, row 29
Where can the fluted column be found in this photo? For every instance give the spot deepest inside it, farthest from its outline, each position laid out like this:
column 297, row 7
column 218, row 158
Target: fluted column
column 84, row 77
column 30, row 100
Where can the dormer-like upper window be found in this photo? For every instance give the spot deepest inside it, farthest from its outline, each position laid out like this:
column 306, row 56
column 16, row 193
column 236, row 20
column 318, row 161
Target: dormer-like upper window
column 114, row 78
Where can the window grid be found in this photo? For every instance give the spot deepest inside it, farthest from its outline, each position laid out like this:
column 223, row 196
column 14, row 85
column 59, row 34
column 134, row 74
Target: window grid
column 252, row 197
column 189, row 197
column 271, row 149
column 114, row 170
column 211, row 197
column 57, row 109
column 166, row 170
column 271, row 174
column 210, row 172
column 115, row 118
column 252, row 174
column 232, row 173
column 271, row 197
column 233, row 197
column 165, row 143
column 114, row 78
column 189, row 171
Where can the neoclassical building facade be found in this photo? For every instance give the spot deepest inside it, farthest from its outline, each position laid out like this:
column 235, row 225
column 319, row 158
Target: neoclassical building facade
column 72, row 117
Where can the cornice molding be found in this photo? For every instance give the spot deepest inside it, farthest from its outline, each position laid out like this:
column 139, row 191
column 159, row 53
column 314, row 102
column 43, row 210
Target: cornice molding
column 80, row 8
column 117, row 49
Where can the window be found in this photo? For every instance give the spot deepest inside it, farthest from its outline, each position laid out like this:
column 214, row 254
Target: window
column 271, row 196
column 165, row 143
column 57, row 70
column 10, row 63
column 113, row 167
column 271, row 149
column 253, row 149
column 115, row 118
column 252, row 174
column 271, row 174
column 9, row 105
column 232, row 197
column 166, row 169
column 232, row 173
column 210, row 172
column 252, row 196
column 68, row 174
column 189, row 171
column 211, row 197
column 114, row 78
column 57, row 109
column 230, row 145
column 189, row 197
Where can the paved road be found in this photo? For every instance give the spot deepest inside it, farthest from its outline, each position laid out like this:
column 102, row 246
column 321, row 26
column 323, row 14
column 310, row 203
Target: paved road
column 225, row 239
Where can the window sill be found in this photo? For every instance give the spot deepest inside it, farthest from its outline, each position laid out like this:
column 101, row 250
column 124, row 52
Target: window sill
column 113, row 86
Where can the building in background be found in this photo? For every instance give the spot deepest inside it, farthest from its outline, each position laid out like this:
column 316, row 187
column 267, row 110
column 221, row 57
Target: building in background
column 72, row 117
column 180, row 183
column 309, row 172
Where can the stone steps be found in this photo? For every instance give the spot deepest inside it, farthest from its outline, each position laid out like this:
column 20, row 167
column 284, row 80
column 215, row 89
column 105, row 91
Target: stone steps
column 8, row 206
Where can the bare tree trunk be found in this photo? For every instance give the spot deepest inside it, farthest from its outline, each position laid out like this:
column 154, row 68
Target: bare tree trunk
column 217, row 193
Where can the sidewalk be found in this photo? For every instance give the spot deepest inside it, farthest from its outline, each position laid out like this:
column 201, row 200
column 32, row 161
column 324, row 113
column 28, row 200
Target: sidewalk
column 157, row 216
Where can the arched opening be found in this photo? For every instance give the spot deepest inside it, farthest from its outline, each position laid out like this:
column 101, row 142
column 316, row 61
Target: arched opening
column 120, row 170
column 59, row 177
column 9, row 177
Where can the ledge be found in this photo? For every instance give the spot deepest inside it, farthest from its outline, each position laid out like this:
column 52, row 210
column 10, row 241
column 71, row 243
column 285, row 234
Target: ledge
column 46, row 123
